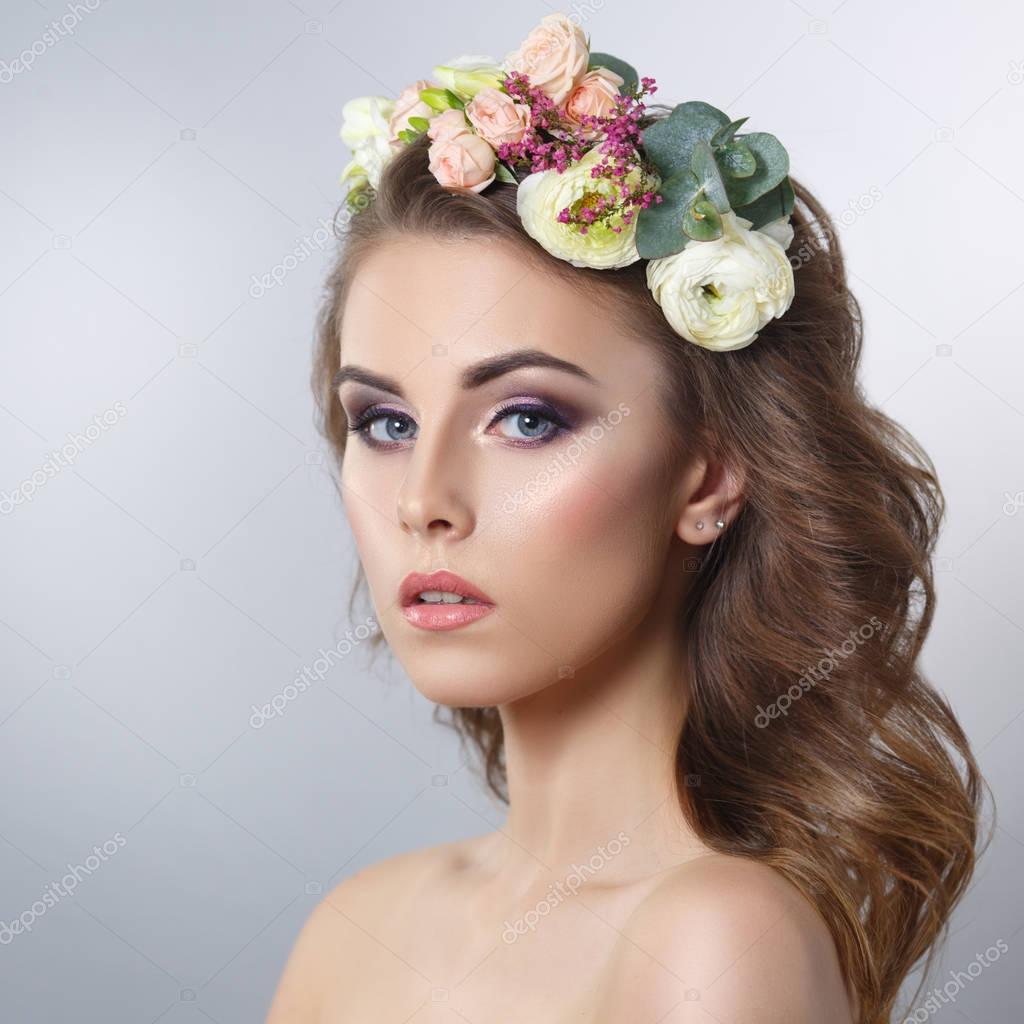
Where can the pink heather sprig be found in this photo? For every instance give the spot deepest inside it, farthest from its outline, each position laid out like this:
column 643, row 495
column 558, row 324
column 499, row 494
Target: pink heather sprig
column 619, row 147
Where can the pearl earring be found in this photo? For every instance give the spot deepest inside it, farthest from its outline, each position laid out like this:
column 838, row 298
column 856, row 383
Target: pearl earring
column 700, row 524
column 719, row 523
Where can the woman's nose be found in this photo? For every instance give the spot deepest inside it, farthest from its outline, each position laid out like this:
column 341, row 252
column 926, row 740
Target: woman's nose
column 433, row 497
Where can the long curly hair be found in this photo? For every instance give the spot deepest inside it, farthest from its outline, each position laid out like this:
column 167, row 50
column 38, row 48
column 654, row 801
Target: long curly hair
column 812, row 742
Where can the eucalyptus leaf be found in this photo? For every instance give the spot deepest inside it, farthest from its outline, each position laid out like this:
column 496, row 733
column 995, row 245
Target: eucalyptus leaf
column 772, row 166
column 625, row 71
column 736, row 159
column 698, row 108
column 659, row 230
column 724, row 135
column 703, row 165
column 702, row 221
column 777, row 203
column 670, row 141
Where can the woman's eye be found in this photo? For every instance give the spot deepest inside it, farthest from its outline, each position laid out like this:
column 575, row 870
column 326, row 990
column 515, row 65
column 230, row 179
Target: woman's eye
column 383, row 428
column 527, row 423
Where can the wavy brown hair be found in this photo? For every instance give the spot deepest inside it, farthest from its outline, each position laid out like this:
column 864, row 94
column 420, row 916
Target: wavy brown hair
column 860, row 787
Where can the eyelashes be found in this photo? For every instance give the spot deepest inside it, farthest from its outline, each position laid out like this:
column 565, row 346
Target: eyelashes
column 526, row 416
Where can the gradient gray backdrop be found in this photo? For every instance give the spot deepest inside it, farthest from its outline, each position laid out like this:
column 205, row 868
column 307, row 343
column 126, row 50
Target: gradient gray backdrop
column 192, row 559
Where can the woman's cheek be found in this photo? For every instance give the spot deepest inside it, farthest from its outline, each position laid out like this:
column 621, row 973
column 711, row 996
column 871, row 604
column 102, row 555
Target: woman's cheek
column 583, row 539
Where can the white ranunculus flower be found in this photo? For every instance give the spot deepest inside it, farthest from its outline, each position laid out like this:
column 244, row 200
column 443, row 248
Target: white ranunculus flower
column 780, row 229
column 720, row 293
column 365, row 117
column 365, row 129
column 541, row 195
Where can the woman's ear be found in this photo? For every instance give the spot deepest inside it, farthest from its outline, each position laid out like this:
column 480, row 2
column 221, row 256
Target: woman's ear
column 710, row 499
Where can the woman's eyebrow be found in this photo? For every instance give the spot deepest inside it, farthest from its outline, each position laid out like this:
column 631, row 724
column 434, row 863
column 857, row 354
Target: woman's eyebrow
column 472, row 376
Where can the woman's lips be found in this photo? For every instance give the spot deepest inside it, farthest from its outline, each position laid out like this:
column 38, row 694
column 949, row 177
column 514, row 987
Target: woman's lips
column 439, row 616
column 444, row 616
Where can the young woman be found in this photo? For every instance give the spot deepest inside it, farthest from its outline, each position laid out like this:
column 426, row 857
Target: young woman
column 665, row 567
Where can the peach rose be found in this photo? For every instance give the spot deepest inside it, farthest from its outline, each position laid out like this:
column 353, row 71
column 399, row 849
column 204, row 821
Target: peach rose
column 497, row 118
column 448, row 124
column 554, row 55
column 409, row 105
column 595, row 96
column 464, row 160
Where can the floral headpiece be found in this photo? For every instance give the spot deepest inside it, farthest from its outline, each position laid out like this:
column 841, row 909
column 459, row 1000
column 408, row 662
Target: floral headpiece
column 706, row 206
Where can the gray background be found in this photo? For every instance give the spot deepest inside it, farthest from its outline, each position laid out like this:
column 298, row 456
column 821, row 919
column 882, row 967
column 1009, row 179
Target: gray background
column 194, row 557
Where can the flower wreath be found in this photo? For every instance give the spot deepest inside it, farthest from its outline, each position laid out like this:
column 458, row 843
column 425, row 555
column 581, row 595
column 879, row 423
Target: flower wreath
column 706, row 206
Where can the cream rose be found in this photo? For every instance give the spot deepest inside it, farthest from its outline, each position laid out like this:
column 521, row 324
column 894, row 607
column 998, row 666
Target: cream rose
column 497, row 117
column 595, row 96
column 462, row 159
column 720, row 293
column 365, row 130
column 541, row 195
column 447, row 125
column 409, row 105
column 554, row 56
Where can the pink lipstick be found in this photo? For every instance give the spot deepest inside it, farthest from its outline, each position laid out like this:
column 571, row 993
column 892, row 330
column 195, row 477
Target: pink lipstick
column 441, row 600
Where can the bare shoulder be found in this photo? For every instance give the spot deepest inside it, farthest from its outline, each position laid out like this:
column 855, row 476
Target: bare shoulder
column 334, row 933
column 728, row 938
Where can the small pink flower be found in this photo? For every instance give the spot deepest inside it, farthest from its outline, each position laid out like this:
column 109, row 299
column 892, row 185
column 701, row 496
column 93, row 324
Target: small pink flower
column 595, row 96
column 409, row 105
column 447, row 125
column 497, row 118
column 464, row 160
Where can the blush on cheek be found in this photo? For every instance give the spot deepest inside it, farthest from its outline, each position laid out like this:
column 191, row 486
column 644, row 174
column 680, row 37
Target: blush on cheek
column 608, row 499
column 577, row 513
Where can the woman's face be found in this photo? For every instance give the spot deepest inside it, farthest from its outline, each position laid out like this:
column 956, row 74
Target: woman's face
column 548, row 486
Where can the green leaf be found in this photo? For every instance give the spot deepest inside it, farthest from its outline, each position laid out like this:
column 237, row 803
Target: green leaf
column 659, row 227
column 502, row 173
column 698, row 108
column 620, row 67
column 670, row 141
column 702, row 221
column 408, row 136
column 777, row 203
column 724, row 135
column 703, row 165
column 420, row 124
column 437, row 99
column 454, row 100
column 737, row 160
column 772, row 165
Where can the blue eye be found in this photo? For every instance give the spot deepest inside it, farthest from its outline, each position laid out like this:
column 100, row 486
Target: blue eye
column 395, row 426
column 529, row 425
column 530, row 422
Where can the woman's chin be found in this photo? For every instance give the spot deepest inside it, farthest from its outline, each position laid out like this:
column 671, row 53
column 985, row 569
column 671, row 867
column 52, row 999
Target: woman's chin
column 461, row 681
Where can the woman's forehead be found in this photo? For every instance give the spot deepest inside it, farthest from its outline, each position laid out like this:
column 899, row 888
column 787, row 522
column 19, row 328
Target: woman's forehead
column 418, row 297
